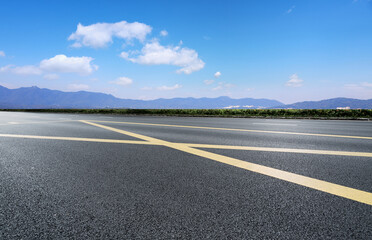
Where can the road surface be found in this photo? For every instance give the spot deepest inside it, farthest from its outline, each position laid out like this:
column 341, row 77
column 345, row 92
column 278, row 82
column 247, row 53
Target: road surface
column 66, row 176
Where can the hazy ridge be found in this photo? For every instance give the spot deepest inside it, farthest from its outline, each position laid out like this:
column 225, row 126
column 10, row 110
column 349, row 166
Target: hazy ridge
column 34, row 97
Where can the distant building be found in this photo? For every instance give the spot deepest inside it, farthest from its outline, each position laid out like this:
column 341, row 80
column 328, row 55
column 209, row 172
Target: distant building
column 230, row 107
column 343, row 108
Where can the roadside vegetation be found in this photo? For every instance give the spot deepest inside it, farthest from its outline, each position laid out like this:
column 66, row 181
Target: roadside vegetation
column 249, row 113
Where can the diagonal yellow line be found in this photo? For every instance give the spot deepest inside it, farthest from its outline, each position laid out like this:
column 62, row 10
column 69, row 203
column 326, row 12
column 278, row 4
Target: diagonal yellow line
column 193, row 145
column 332, row 188
column 239, row 130
column 146, row 138
column 286, row 150
column 335, row 189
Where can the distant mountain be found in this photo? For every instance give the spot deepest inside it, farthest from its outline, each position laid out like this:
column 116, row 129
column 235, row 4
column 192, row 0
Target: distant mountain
column 333, row 103
column 34, row 97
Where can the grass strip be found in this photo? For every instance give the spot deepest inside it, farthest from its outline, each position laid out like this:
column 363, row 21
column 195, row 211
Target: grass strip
column 360, row 114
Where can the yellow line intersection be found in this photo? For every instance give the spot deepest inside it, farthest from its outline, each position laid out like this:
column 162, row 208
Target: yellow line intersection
column 335, row 189
column 238, row 130
column 197, row 145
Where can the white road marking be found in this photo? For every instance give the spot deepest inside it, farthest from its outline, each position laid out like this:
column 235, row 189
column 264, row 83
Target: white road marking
column 276, row 124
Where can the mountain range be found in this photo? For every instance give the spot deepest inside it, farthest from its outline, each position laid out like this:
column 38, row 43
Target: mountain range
column 34, row 97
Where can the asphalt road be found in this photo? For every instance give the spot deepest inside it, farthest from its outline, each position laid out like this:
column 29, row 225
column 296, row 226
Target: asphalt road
column 120, row 177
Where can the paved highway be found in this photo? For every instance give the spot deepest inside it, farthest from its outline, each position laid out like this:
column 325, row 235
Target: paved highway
column 73, row 176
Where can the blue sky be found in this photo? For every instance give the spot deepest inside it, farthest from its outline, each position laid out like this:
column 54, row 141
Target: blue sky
column 284, row 50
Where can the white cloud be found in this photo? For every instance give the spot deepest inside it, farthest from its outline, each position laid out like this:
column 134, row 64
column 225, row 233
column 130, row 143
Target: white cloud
column 100, row 34
column 217, row 88
column 208, row 82
column 294, row 81
column 2, row 54
column 163, row 33
column 78, row 87
column 217, row 74
column 76, row 45
column 51, row 76
column 27, row 70
column 6, row 68
column 124, row 55
column 64, row 64
column 57, row 64
column 290, row 10
column 21, row 70
column 155, row 54
column 359, row 86
column 123, row 81
column 166, row 88
column 222, row 86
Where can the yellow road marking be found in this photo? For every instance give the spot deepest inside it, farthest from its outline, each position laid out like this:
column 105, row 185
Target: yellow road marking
column 146, row 138
column 286, row 150
column 194, row 145
column 239, row 130
column 335, row 189
column 78, row 139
